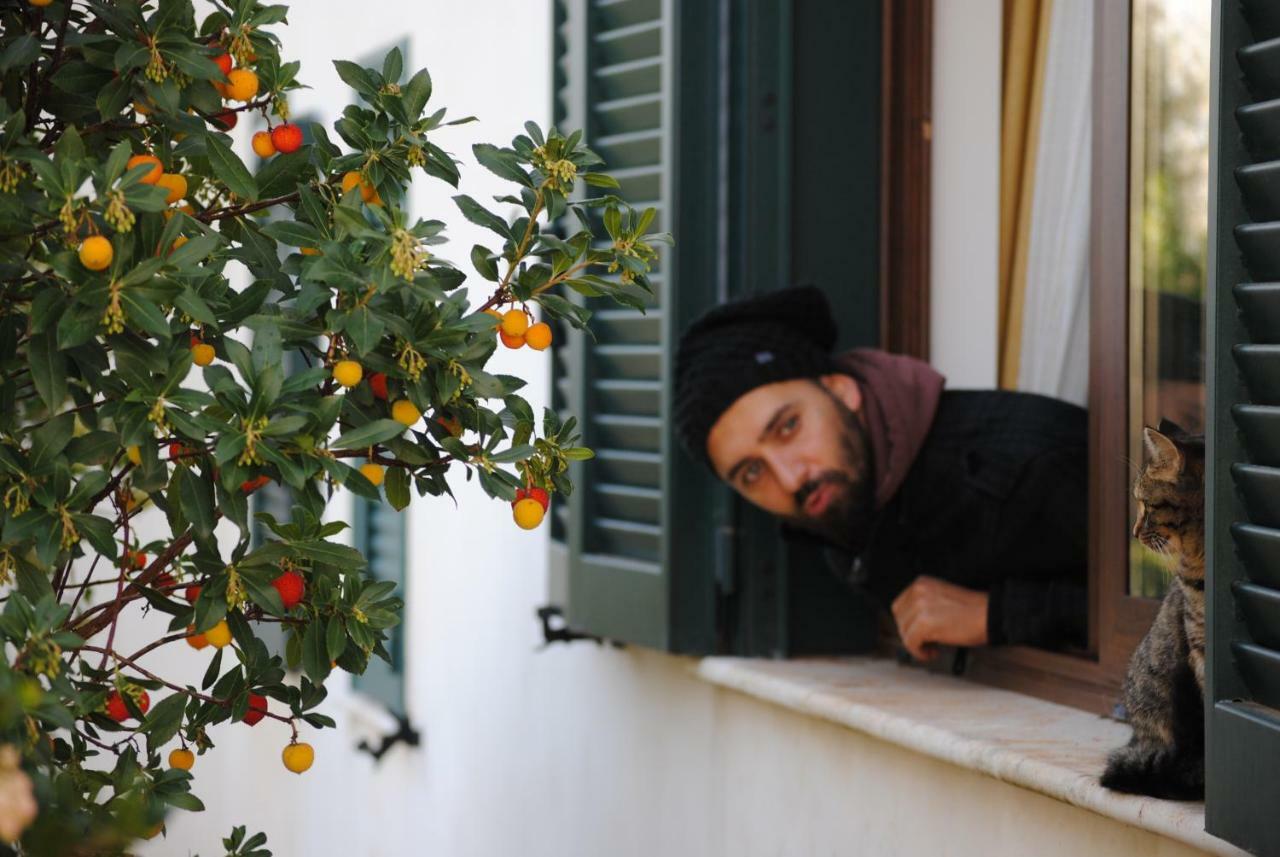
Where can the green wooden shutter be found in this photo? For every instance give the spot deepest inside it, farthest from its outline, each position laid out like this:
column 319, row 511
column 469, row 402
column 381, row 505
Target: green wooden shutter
column 690, row 106
column 1242, row 512
column 615, row 81
column 379, row 534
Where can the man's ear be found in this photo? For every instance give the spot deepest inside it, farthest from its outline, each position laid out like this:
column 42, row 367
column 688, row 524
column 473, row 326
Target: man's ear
column 844, row 388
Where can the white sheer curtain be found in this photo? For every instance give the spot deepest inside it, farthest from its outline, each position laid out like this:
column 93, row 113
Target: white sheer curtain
column 1055, row 323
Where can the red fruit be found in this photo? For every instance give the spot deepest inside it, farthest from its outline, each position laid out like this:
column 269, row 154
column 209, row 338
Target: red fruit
column 134, row 560
column 539, row 494
column 192, row 593
column 116, row 709
column 164, row 580
column 378, row 384
column 226, row 118
column 257, row 709
column 286, row 138
column 291, row 587
column 251, row 485
column 223, row 62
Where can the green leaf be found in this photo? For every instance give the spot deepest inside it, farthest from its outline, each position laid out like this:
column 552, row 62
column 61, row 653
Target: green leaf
column 357, row 78
column 315, row 660
column 335, row 638
column 480, row 216
column 601, row 180
column 21, row 51
column 416, row 93
column 197, row 501
column 397, row 487
column 294, row 233
column 369, row 434
column 164, row 719
column 48, row 369
column 502, row 163
column 485, row 263
column 228, row 167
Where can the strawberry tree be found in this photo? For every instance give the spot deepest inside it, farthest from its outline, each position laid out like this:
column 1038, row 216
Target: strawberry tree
column 151, row 284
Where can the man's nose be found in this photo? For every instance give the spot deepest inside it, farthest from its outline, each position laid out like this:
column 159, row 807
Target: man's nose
column 792, row 475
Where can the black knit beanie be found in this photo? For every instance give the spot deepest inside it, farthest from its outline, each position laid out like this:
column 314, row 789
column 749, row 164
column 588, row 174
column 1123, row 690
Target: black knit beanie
column 735, row 347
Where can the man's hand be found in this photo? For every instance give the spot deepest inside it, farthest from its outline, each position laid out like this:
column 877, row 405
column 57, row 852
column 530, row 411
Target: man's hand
column 931, row 611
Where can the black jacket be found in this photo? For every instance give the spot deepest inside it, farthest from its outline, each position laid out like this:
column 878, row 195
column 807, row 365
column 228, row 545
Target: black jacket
column 997, row 500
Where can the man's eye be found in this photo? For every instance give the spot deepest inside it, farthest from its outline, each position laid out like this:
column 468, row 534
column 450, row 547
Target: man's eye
column 751, row 473
column 789, row 426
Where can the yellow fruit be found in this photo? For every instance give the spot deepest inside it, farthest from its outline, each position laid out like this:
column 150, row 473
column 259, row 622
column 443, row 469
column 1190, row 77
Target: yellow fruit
column 367, row 192
column 310, row 251
column 151, row 176
column 538, row 336
column 373, row 472
column 182, row 758
column 220, row 634
column 178, row 242
column 298, row 757
column 141, row 109
column 175, row 183
column 262, row 145
column 528, row 513
column 404, row 411
column 347, row 373
column 134, row 455
column 202, row 353
column 242, row 85
column 515, row 322
column 96, row 253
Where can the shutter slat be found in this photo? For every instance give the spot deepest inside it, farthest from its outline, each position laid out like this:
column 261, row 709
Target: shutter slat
column 627, row 502
column 1260, row 366
column 1261, row 65
column 1263, row 17
column 628, row 397
column 633, row 467
column 1260, row 185
column 1261, row 126
column 1260, row 245
column 637, row 362
column 616, row 431
column 1259, row 305
column 635, row 113
column 615, row 14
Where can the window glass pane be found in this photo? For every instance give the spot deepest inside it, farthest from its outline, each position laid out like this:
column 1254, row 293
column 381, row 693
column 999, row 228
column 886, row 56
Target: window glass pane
column 1168, row 237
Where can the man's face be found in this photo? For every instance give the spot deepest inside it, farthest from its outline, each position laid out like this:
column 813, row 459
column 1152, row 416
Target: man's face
column 798, row 450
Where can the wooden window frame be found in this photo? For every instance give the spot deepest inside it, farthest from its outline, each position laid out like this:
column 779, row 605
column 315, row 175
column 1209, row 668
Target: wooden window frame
column 1117, row 620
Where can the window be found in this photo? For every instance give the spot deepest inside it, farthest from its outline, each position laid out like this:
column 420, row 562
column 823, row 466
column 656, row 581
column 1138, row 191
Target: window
column 1168, row 233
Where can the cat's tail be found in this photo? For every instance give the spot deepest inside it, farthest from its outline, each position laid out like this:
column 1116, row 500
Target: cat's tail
column 1159, row 771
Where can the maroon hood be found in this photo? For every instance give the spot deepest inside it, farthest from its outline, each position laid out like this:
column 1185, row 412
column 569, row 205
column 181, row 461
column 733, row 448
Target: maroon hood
column 899, row 398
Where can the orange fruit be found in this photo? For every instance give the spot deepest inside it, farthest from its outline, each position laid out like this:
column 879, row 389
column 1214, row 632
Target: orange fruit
column 405, row 412
column 182, row 759
column 202, row 353
column 352, row 178
column 287, row 138
column 538, row 337
column 375, row 473
column 347, row 373
column 178, row 242
column 175, row 183
column 242, row 84
column 515, row 322
column 153, row 175
column 511, row 341
column 262, row 145
column 219, row 635
column 310, row 251
column 298, row 757
column 528, row 513
column 96, row 253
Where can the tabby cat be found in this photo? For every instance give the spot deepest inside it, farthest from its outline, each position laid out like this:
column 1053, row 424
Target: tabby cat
column 1164, row 689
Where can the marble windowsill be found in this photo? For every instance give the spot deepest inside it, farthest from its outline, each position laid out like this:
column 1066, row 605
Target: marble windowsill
column 1048, row 748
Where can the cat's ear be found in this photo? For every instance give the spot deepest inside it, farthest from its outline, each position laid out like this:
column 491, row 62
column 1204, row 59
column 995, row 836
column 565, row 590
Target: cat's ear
column 1171, row 429
column 1164, row 459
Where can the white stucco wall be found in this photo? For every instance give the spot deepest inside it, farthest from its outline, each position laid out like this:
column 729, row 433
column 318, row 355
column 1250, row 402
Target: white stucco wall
column 581, row 751
column 966, row 191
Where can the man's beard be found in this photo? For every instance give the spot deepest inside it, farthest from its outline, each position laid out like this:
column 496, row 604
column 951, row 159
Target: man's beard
column 847, row 518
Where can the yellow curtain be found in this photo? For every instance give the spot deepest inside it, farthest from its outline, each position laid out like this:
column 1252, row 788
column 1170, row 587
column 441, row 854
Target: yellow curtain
column 1026, row 43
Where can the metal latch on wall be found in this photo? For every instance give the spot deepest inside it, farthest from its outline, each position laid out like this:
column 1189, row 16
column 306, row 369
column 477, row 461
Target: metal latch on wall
column 560, row 632
column 404, row 734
